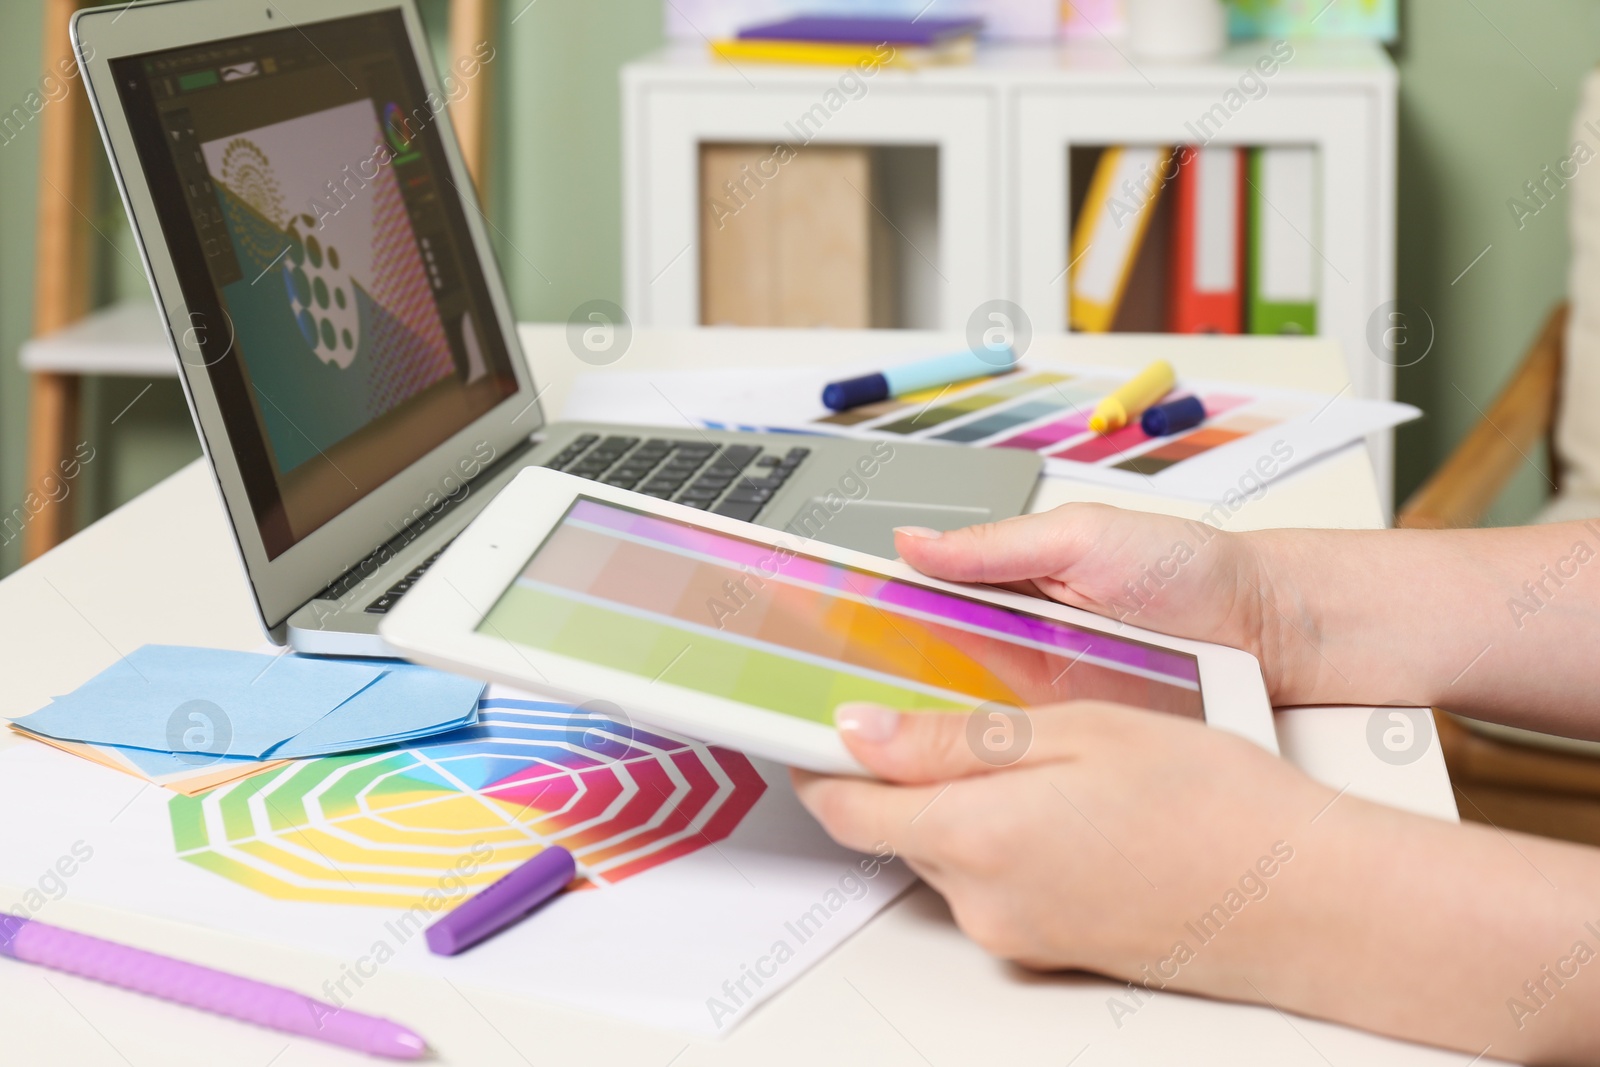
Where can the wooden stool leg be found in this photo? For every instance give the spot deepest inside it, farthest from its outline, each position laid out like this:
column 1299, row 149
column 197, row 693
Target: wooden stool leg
column 52, row 434
column 471, row 39
column 60, row 283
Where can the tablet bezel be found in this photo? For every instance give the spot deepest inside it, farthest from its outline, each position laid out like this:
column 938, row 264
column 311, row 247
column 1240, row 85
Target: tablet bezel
column 436, row 624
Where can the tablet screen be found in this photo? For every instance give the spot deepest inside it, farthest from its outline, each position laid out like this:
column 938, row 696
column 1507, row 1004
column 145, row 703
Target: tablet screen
column 776, row 628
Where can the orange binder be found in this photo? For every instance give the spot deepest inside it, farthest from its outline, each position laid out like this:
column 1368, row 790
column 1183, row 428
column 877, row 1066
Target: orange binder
column 1206, row 294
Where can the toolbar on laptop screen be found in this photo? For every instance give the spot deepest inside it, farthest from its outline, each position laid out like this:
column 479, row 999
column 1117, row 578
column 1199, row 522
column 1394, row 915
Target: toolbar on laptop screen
column 337, row 302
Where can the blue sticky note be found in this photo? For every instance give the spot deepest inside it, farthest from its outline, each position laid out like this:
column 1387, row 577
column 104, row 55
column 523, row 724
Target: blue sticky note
column 161, row 764
column 407, row 702
column 204, row 701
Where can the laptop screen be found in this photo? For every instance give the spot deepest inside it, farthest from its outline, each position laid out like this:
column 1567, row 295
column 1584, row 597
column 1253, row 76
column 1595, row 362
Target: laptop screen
column 337, row 302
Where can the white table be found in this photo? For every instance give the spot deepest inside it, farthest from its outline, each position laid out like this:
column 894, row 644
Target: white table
column 908, row 990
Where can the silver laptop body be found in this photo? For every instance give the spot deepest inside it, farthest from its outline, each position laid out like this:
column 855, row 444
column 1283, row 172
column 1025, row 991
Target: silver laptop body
column 345, row 340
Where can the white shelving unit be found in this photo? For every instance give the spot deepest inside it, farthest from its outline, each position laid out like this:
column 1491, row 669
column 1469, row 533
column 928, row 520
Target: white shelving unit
column 123, row 339
column 1003, row 128
column 680, row 100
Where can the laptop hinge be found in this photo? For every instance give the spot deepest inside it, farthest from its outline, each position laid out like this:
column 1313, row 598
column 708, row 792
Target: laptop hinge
column 368, row 566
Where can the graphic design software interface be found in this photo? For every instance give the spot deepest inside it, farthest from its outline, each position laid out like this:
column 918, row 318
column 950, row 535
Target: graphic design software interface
column 338, row 305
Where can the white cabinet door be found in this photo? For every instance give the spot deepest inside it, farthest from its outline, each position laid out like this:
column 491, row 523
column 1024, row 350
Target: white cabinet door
column 958, row 253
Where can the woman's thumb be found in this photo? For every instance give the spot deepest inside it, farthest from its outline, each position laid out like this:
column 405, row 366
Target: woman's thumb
column 1028, row 546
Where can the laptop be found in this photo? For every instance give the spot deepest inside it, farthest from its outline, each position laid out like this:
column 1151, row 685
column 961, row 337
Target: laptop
column 345, row 340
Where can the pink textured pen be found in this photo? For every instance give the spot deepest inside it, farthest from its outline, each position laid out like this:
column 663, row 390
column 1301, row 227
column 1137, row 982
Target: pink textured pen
column 204, row 988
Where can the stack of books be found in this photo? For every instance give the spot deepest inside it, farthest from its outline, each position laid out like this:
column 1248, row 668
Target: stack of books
column 849, row 41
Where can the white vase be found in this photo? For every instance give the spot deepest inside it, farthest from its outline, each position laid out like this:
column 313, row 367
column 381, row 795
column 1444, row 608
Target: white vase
column 1177, row 29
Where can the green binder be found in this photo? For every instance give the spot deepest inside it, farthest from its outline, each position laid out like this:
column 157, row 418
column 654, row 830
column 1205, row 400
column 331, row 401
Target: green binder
column 1284, row 268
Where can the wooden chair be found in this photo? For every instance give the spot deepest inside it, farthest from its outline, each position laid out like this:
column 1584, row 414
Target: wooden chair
column 1461, row 491
column 1528, row 787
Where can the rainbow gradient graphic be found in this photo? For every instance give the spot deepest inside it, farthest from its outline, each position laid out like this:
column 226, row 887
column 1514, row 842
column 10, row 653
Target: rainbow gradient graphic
column 795, row 634
column 382, row 829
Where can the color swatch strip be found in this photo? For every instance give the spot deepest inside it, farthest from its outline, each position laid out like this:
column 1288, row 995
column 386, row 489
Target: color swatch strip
column 1077, row 396
column 1198, row 443
column 749, row 556
column 971, row 404
column 1049, row 435
column 1131, row 438
column 1101, row 446
column 627, row 641
column 868, row 412
column 827, row 631
column 999, row 422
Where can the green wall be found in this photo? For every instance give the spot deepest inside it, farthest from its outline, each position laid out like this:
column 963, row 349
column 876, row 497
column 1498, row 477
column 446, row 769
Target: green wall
column 19, row 72
column 1487, row 94
column 554, row 198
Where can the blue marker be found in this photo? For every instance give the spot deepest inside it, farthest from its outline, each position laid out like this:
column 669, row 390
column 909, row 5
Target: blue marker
column 1175, row 416
column 914, row 377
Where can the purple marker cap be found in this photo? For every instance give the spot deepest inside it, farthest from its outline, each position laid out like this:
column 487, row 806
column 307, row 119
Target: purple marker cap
column 503, row 902
column 854, row 392
column 1174, row 416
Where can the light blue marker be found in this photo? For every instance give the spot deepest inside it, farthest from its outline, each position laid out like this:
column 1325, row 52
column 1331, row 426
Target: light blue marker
column 915, row 377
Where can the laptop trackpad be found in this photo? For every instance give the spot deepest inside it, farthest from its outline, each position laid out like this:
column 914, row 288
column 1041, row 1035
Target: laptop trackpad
column 868, row 525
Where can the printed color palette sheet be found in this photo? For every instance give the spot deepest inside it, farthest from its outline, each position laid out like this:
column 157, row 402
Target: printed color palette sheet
column 696, row 864
column 1251, row 433
column 1048, row 412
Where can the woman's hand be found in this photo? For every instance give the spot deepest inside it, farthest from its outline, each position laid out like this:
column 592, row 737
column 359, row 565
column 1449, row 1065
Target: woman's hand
column 1152, row 848
column 1489, row 623
column 1107, row 844
column 1175, row 856
column 1163, row 573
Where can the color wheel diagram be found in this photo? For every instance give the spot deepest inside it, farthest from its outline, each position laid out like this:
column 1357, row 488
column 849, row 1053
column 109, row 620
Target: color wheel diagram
column 383, row 828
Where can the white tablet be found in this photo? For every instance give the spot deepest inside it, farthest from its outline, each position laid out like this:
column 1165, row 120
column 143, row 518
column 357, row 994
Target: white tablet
column 748, row 637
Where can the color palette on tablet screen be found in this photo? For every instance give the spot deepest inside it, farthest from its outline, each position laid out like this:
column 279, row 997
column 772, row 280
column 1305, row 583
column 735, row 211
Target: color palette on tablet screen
column 736, row 619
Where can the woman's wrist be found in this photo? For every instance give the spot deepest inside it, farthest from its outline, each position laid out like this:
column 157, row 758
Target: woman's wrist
column 1281, row 613
column 1436, row 933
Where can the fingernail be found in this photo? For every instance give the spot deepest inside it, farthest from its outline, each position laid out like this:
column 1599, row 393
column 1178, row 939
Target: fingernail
column 869, row 722
column 919, row 531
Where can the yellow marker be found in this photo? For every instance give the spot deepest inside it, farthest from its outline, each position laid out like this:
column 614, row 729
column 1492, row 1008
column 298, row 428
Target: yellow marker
column 1136, row 394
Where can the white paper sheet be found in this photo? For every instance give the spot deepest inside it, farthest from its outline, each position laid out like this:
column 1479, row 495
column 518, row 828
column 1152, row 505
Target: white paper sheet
column 689, row 944
column 1278, row 430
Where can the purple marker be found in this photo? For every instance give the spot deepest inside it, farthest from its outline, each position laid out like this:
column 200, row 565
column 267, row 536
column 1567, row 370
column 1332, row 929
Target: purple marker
column 503, row 902
column 204, row 988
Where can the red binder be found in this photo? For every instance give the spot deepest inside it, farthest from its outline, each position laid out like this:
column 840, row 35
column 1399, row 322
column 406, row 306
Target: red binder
column 1206, row 294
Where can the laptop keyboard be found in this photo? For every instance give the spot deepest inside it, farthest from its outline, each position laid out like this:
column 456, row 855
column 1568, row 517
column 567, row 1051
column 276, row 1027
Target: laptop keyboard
column 732, row 480
column 392, row 595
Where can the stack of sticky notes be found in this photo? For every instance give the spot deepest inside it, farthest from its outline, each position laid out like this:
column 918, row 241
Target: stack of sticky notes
column 193, row 718
column 855, row 41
